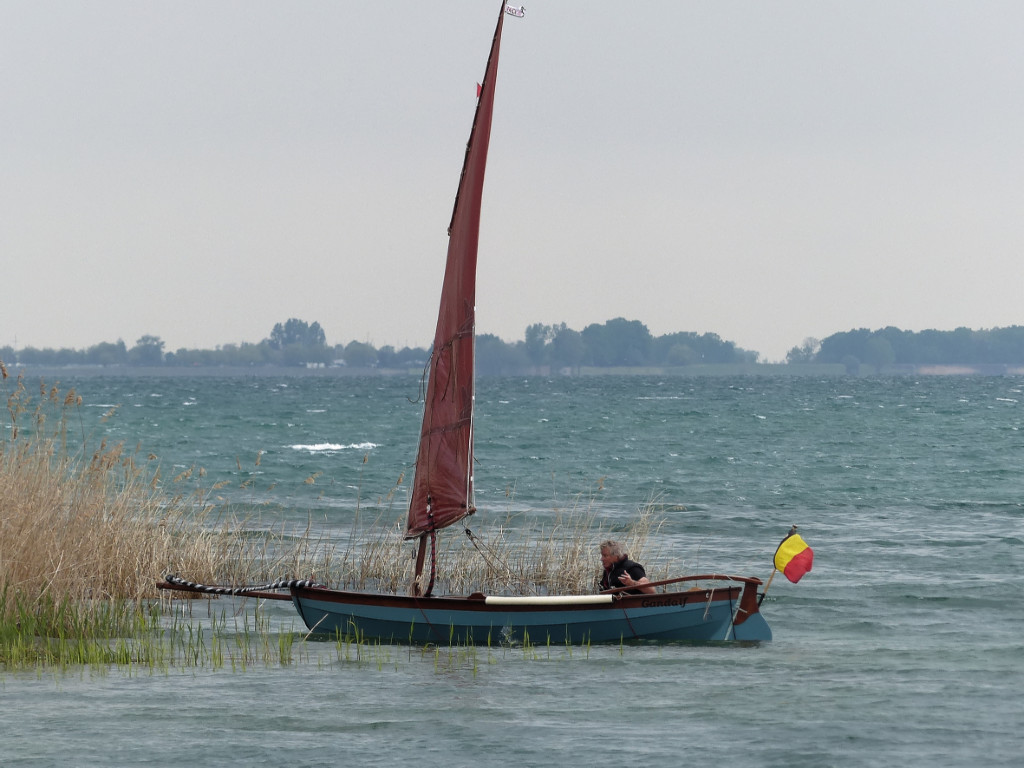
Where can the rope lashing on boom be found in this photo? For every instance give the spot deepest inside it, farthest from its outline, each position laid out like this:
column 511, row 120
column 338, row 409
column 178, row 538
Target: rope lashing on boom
column 172, row 578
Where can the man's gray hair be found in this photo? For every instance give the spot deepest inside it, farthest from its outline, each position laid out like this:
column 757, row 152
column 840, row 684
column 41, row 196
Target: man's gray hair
column 613, row 547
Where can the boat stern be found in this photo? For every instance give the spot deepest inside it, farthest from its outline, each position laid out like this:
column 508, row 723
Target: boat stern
column 748, row 625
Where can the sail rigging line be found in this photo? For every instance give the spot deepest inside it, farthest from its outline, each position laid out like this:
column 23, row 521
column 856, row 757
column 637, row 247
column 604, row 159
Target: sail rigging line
column 421, row 397
column 470, row 492
column 490, row 557
column 735, row 608
column 426, row 618
column 707, row 604
column 626, row 617
column 450, row 347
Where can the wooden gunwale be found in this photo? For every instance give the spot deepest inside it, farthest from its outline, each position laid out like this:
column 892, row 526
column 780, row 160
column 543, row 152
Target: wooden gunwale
column 746, row 594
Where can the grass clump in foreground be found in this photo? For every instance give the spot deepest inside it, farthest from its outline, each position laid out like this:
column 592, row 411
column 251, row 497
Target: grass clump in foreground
column 85, row 531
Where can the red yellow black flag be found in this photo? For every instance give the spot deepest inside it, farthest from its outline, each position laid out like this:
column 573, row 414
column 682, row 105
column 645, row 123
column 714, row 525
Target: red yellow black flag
column 793, row 557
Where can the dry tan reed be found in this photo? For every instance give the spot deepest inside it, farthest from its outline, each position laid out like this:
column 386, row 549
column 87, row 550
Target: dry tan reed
column 80, row 523
column 513, row 555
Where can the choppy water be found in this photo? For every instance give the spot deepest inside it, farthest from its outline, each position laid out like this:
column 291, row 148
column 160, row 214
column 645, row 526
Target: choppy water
column 903, row 647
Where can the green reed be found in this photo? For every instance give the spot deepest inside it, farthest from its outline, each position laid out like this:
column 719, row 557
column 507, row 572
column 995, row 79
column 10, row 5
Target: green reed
column 139, row 639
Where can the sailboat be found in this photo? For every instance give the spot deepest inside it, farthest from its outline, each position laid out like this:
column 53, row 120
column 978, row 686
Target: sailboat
column 684, row 609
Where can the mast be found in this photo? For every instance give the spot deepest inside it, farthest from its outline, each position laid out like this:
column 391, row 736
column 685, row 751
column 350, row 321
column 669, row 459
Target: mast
column 442, row 491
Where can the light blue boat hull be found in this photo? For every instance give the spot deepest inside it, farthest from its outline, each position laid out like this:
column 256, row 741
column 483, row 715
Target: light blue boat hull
column 704, row 615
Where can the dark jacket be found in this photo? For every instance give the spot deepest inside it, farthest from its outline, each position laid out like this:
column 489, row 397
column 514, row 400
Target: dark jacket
column 610, row 579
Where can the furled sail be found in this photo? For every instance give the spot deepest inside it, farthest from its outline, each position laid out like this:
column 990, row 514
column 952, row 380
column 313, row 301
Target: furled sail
column 442, row 490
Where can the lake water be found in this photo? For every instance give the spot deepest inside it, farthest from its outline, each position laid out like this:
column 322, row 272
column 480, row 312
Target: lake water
column 904, row 646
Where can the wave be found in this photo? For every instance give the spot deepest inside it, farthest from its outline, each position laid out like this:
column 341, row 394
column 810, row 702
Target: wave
column 329, row 447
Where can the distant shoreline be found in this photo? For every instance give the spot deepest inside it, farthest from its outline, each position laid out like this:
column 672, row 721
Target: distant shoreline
column 720, row 369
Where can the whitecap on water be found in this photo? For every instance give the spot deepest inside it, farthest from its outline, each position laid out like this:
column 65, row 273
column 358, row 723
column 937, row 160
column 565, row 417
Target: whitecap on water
column 328, row 447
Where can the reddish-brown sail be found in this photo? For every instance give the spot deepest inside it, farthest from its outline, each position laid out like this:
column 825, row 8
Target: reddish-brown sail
column 442, row 490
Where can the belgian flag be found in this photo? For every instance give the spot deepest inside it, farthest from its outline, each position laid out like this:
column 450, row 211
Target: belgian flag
column 793, row 557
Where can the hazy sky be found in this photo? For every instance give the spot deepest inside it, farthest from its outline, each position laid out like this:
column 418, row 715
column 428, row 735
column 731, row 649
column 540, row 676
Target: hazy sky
column 768, row 171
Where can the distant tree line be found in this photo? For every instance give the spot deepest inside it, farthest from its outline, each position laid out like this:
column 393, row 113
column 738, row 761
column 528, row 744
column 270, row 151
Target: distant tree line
column 893, row 347
column 618, row 342
column 555, row 348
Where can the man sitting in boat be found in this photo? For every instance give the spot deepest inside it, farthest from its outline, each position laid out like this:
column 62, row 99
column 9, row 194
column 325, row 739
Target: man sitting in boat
column 620, row 571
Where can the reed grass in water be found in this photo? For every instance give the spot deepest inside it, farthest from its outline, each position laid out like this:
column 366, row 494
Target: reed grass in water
column 85, row 533
column 514, row 555
column 87, row 529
